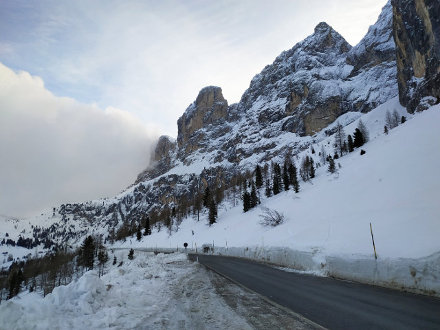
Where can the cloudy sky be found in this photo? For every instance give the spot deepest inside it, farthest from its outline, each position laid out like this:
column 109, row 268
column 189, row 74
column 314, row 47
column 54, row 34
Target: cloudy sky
column 87, row 86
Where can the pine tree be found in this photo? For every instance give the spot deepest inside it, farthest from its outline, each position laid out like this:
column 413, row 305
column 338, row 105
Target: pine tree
column 246, row 201
column 258, row 177
column 286, row 180
column 385, row 130
column 304, row 170
column 403, row 120
column 358, row 138
column 114, row 260
column 293, row 178
column 131, row 254
column 350, row 143
column 138, row 233
column 276, row 179
column 364, row 131
column 331, row 165
column 207, row 197
column 312, row 168
column 268, row 190
column 147, row 230
column 253, row 198
column 212, row 212
column 87, row 252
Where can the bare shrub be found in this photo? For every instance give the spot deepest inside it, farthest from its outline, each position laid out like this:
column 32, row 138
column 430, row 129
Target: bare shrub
column 271, row 217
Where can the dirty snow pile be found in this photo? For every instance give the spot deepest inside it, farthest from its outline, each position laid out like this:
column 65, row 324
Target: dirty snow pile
column 154, row 292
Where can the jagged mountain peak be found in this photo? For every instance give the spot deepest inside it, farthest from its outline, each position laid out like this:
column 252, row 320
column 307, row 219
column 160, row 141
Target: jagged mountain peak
column 325, row 39
column 322, row 27
column 210, row 107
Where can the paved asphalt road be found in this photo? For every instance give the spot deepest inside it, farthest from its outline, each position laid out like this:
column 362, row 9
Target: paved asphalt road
column 331, row 303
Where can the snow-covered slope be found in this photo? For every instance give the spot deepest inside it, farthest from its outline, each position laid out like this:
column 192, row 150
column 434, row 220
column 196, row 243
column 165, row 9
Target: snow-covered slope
column 394, row 186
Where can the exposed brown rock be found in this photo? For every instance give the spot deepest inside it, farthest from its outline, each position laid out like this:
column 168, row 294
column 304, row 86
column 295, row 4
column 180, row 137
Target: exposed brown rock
column 322, row 116
column 210, row 107
column 416, row 28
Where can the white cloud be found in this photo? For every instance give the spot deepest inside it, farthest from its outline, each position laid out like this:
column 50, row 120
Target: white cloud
column 55, row 150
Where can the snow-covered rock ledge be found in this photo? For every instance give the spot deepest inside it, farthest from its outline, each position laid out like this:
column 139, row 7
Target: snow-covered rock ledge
column 413, row 275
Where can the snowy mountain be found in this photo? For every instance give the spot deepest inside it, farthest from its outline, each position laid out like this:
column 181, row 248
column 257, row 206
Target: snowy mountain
column 290, row 108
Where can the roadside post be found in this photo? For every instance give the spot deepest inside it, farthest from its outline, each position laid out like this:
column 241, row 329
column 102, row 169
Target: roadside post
column 372, row 238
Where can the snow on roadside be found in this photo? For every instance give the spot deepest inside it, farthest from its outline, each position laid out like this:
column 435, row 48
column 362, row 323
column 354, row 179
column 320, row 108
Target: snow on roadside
column 154, row 292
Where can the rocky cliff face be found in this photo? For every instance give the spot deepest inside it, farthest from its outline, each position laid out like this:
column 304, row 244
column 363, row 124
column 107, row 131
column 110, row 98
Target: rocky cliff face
column 322, row 77
column 163, row 159
column 210, row 108
column 416, row 26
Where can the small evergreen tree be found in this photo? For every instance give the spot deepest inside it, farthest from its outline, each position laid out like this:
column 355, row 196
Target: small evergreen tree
column 403, row 120
column 147, row 230
column 114, row 260
column 87, row 253
column 358, row 138
column 258, row 177
column 138, row 233
column 293, row 178
column 268, row 189
column 212, row 212
column 304, row 170
column 131, row 254
column 331, row 165
column 246, row 201
column 350, row 143
column 385, row 130
column 312, row 168
column 286, row 180
column 276, row 186
column 207, row 197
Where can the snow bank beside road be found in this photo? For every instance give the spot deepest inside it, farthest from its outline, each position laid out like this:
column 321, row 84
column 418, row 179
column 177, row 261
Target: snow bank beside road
column 154, row 292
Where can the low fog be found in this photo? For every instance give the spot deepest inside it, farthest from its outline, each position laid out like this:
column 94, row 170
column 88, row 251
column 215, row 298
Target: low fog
column 55, row 150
